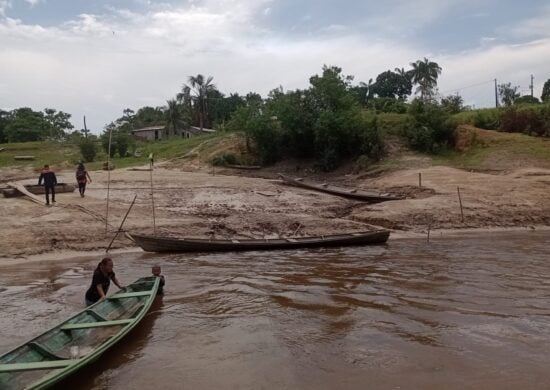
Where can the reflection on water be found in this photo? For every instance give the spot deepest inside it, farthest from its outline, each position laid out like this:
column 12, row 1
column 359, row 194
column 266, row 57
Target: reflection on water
column 457, row 313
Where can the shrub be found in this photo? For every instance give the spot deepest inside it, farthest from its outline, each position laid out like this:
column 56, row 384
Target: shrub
column 225, row 159
column 387, row 104
column 531, row 120
column 88, row 149
column 428, row 129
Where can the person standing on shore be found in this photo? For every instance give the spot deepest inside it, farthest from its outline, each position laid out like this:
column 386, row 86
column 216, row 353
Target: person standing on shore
column 101, row 281
column 82, row 178
column 50, row 181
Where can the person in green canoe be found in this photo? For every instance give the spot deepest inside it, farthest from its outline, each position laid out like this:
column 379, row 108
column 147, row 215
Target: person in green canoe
column 156, row 271
column 101, row 281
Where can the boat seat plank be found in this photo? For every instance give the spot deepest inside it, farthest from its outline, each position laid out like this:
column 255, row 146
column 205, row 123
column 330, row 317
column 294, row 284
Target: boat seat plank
column 235, row 241
column 96, row 315
column 130, row 295
column 87, row 325
column 43, row 350
column 44, row 365
column 291, row 240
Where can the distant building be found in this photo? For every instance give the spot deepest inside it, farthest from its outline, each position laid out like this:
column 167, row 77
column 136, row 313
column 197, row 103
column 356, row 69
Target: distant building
column 151, row 133
column 193, row 131
column 154, row 133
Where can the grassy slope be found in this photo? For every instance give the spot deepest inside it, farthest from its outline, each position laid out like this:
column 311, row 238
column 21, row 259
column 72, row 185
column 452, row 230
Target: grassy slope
column 62, row 155
column 488, row 150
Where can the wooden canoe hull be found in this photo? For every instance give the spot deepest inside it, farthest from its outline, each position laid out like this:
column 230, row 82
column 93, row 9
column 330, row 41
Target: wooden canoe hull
column 50, row 357
column 246, row 167
column 340, row 191
column 151, row 243
column 38, row 190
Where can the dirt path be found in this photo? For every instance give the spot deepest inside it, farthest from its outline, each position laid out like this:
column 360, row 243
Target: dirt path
column 202, row 205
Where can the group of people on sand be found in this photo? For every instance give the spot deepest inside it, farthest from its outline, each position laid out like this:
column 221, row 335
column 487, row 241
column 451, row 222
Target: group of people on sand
column 49, row 180
column 104, row 274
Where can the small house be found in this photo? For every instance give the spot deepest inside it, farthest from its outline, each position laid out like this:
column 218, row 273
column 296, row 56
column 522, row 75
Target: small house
column 151, row 133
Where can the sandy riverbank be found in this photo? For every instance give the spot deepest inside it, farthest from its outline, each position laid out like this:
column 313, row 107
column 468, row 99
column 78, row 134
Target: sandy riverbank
column 228, row 204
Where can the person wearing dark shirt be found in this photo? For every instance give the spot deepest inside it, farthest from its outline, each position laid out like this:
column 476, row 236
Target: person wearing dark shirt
column 156, row 272
column 82, row 178
column 50, row 181
column 101, row 281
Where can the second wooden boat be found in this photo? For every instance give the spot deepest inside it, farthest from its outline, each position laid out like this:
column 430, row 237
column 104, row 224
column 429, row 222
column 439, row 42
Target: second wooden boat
column 246, row 167
column 38, row 190
column 350, row 193
column 63, row 350
column 155, row 243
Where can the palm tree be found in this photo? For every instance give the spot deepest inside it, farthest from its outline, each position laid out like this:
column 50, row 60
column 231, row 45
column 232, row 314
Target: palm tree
column 425, row 74
column 200, row 88
column 173, row 116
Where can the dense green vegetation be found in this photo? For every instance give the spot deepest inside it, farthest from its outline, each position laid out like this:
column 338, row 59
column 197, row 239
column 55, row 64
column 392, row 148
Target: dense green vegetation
column 331, row 121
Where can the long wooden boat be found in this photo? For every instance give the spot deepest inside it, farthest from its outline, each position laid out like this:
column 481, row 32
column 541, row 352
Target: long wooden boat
column 247, row 167
column 351, row 193
column 71, row 345
column 38, row 190
column 155, row 243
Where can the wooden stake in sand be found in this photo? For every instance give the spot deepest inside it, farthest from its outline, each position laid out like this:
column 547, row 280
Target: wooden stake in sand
column 460, row 202
column 121, row 224
column 419, row 179
column 153, row 202
column 108, row 179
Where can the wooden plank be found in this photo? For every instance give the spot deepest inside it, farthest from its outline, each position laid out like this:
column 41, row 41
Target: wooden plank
column 291, row 240
column 44, row 351
column 21, row 188
column 130, row 295
column 96, row 315
column 87, row 325
column 31, row 366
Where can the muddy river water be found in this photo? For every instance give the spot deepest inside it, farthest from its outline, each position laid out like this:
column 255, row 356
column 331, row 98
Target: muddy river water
column 457, row 313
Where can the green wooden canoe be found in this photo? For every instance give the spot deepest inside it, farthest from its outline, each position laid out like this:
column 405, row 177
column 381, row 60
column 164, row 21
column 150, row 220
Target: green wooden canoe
column 78, row 341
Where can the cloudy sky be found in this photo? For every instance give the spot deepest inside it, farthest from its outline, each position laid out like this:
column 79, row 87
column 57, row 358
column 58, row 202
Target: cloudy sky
column 96, row 58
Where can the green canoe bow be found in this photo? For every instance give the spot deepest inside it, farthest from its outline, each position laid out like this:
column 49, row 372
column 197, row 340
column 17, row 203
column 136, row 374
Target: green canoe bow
column 78, row 341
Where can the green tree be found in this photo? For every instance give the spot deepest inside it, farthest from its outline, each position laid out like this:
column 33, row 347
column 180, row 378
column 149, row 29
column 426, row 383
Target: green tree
column 198, row 88
column 25, row 125
column 527, row 99
column 425, row 73
column 363, row 92
column 508, row 93
column 88, row 148
column 392, row 85
column 453, row 103
column 545, row 97
column 174, row 117
column 59, row 123
column 428, row 128
column 4, row 120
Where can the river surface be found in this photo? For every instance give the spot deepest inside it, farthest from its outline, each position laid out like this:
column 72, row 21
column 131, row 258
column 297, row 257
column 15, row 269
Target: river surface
column 457, row 313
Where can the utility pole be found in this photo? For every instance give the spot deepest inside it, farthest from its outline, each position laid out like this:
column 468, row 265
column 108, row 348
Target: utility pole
column 531, row 86
column 496, row 94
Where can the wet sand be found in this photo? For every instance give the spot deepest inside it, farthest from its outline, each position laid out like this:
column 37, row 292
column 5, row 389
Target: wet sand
column 457, row 313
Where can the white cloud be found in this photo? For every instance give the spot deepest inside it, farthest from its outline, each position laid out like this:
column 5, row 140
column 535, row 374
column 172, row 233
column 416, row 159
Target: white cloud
column 4, row 5
column 536, row 27
column 32, row 3
column 98, row 65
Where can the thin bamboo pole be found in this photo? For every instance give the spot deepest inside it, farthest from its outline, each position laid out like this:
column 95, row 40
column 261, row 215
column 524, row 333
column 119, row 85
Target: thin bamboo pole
column 108, row 179
column 153, row 202
column 121, row 224
column 460, row 201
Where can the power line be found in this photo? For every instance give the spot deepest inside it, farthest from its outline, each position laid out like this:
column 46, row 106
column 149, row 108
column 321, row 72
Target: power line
column 468, row 86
